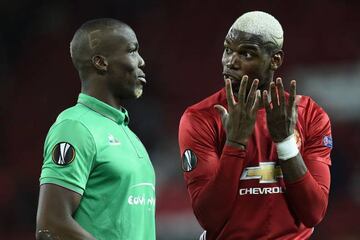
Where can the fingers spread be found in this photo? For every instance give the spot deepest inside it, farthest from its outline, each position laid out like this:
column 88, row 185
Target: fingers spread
column 242, row 89
column 256, row 104
column 229, row 94
column 274, row 98
column 222, row 111
column 266, row 102
column 281, row 92
column 252, row 94
column 292, row 91
column 292, row 97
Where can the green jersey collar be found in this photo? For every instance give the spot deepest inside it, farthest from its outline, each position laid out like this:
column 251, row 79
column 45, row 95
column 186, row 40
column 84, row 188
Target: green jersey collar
column 118, row 116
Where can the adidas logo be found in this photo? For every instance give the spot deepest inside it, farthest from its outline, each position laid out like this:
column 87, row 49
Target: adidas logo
column 113, row 140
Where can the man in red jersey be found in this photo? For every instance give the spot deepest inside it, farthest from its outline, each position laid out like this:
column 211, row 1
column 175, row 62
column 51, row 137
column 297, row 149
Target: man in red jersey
column 256, row 158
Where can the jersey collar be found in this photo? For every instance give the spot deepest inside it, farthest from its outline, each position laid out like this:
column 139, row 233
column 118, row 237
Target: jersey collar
column 119, row 116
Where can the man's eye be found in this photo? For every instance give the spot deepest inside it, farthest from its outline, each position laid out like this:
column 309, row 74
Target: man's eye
column 133, row 50
column 227, row 50
column 246, row 55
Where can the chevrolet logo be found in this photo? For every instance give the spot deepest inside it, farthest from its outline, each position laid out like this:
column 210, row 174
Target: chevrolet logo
column 267, row 172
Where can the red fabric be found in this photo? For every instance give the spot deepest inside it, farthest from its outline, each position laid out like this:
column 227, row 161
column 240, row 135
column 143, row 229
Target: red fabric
column 230, row 200
column 309, row 195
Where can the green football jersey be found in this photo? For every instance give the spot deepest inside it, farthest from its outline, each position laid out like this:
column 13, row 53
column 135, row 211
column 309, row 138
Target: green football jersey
column 91, row 150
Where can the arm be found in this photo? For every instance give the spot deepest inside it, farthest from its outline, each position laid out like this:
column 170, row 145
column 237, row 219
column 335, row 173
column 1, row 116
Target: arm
column 62, row 183
column 54, row 219
column 213, row 184
column 307, row 184
column 308, row 195
column 212, row 176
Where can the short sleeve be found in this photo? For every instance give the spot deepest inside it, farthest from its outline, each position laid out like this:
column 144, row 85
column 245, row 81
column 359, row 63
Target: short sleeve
column 69, row 152
column 318, row 142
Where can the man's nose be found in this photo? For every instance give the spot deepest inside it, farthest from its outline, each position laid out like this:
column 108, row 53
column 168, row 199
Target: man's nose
column 141, row 62
column 233, row 61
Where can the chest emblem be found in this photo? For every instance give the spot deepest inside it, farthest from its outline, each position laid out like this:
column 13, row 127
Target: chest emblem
column 113, row 140
column 266, row 172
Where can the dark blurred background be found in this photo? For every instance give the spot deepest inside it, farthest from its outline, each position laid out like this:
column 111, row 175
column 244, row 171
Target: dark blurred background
column 182, row 44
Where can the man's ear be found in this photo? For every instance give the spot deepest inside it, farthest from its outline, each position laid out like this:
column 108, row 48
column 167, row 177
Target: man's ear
column 100, row 63
column 276, row 60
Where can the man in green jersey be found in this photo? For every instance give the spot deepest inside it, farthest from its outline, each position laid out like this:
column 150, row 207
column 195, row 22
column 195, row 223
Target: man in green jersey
column 97, row 181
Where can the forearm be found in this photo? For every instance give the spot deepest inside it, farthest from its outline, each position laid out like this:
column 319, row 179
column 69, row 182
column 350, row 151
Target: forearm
column 307, row 197
column 214, row 202
column 293, row 169
column 62, row 230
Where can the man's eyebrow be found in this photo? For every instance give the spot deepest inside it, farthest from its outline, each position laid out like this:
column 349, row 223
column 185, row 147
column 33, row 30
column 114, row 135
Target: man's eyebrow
column 133, row 44
column 247, row 46
column 253, row 47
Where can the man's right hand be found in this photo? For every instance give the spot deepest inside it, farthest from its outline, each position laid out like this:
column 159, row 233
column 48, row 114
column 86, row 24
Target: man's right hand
column 239, row 120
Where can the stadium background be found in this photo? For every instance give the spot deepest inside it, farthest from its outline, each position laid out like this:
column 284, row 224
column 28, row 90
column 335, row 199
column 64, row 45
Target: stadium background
column 182, row 43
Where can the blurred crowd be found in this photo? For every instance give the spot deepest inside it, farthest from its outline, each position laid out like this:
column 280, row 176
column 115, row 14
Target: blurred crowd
column 182, row 44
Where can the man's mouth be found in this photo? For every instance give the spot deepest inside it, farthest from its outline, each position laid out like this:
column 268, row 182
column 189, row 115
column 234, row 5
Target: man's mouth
column 233, row 77
column 142, row 79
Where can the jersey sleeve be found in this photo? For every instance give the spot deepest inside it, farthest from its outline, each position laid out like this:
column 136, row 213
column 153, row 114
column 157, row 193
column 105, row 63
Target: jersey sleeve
column 69, row 152
column 309, row 195
column 212, row 175
column 318, row 140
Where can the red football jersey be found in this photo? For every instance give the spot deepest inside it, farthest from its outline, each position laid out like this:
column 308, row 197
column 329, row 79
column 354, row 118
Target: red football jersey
column 241, row 194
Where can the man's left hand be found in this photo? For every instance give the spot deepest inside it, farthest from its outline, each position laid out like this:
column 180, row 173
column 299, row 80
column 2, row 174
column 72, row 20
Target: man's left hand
column 281, row 116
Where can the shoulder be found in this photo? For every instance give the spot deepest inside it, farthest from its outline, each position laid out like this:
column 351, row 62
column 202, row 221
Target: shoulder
column 306, row 102
column 310, row 109
column 80, row 116
column 69, row 130
column 71, row 124
column 205, row 108
column 70, row 134
column 77, row 113
column 314, row 120
column 201, row 121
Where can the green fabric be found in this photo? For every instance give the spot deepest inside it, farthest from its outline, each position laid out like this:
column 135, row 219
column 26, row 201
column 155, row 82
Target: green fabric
column 111, row 170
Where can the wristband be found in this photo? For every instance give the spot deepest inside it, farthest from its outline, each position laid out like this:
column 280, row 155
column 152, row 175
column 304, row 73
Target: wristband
column 287, row 148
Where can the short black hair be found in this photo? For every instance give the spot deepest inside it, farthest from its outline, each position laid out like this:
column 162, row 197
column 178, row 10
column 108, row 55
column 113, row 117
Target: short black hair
column 80, row 45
